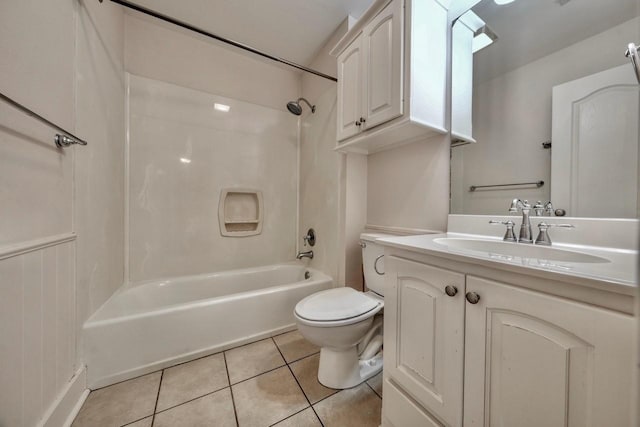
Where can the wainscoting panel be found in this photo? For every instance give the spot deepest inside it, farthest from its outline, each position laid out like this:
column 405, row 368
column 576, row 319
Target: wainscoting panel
column 37, row 327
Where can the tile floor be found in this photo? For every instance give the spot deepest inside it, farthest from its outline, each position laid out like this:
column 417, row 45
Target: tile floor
column 272, row 382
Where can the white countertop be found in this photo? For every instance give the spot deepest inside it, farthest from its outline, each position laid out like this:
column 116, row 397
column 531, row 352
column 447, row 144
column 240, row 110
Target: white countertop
column 618, row 275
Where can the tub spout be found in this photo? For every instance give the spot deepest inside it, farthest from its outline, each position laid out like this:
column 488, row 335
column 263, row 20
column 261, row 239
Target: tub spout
column 307, row 254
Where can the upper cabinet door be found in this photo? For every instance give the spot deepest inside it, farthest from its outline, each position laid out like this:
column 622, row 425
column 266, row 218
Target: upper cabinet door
column 350, row 90
column 536, row 360
column 424, row 337
column 382, row 43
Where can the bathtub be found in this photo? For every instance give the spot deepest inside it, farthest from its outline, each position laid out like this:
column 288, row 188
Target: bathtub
column 152, row 325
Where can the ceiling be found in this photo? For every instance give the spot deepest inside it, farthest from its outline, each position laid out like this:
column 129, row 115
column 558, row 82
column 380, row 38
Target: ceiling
column 291, row 29
column 531, row 29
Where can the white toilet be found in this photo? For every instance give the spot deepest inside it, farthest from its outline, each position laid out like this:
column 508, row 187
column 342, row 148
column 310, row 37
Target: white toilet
column 346, row 325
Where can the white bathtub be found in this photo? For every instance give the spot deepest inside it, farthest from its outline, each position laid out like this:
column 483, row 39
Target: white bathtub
column 152, row 325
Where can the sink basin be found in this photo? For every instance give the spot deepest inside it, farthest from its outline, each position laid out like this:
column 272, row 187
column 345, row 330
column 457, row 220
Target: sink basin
column 521, row 250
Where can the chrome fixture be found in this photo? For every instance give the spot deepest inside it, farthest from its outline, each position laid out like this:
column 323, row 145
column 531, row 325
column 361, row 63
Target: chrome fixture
column 538, row 184
column 310, row 238
column 375, row 266
column 543, row 237
column 307, row 254
column 294, row 107
column 509, row 235
column 61, row 140
column 548, row 208
column 632, row 54
column 525, row 227
column 233, row 43
column 538, row 209
column 541, row 209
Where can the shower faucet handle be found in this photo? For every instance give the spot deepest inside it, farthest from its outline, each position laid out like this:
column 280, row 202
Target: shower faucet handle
column 310, row 238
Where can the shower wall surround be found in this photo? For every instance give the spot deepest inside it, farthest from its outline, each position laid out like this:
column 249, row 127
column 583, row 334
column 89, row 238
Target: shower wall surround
column 182, row 152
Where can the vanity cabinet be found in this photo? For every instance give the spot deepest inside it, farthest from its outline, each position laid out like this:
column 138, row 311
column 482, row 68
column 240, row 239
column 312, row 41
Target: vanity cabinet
column 423, row 346
column 514, row 356
column 392, row 76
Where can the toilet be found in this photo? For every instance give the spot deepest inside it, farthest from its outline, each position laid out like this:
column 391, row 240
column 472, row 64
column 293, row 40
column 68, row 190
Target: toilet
column 347, row 324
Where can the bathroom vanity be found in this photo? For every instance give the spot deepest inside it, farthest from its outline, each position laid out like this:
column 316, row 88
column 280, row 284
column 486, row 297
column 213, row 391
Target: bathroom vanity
column 483, row 332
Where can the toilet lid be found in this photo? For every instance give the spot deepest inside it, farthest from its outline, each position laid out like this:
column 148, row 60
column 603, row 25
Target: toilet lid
column 335, row 304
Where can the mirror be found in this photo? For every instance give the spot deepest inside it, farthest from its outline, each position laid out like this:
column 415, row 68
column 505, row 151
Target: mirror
column 545, row 107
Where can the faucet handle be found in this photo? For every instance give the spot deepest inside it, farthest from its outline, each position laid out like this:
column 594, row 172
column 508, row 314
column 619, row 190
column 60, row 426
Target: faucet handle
column 538, row 208
column 548, row 207
column 543, row 237
column 509, row 235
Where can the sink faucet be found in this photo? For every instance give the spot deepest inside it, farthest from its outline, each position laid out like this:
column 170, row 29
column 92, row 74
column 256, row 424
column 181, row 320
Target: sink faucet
column 307, row 254
column 542, row 209
column 525, row 227
column 543, row 237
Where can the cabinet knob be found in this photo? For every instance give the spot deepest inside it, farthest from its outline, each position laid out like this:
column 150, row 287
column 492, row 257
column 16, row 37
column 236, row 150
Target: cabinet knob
column 362, row 120
column 358, row 123
column 451, row 290
column 473, row 297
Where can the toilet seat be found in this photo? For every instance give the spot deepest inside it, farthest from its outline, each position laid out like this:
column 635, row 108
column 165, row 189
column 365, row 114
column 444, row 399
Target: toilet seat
column 337, row 307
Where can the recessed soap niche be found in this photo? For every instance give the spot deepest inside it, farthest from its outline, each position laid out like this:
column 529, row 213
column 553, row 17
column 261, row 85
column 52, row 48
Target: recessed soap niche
column 240, row 212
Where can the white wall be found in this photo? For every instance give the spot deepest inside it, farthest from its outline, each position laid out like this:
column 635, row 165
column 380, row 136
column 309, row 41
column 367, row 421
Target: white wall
column 322, row 170
column 408, row 187
column 62, row 59
column 512, row 117
column 164, row 52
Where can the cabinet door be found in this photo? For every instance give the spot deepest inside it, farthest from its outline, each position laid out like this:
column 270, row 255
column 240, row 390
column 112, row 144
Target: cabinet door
column 350, row 90
column 423, row 340
column 538, row 360
column 382, row 47
column 462, row 81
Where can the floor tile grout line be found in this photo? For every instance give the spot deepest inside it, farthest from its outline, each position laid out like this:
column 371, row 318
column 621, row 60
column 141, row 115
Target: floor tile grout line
column 135, row 421
column 155, row 408
column 128, row 379
column 373, row 389
column 233, row 401
column 301, row 358
column 290, row 416
column 299, row 385
column 255, row 376
column 191, row 400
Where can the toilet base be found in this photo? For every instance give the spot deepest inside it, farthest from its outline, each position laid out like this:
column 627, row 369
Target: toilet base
column 342, row 369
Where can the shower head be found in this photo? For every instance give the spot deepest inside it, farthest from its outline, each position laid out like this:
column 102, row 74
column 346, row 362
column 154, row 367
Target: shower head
column 295, row 108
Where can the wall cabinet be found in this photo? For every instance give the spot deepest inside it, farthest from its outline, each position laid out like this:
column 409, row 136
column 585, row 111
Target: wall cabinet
column 514, row 356
column 392, row 76
column 462, row 35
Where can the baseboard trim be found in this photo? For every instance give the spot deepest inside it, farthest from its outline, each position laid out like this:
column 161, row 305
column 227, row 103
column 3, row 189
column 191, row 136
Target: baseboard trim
column 64, row 409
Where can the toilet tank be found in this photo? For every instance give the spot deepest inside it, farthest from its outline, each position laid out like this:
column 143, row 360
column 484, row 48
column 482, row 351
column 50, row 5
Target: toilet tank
column 371, row 251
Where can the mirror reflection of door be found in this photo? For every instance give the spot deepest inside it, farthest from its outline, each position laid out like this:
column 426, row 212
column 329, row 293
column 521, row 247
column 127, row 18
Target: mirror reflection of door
column 594, row 162
column 507, row 60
